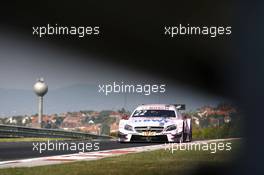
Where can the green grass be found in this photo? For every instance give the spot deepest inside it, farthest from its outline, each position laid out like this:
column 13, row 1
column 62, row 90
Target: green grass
column 145, row 163
column 28, row 139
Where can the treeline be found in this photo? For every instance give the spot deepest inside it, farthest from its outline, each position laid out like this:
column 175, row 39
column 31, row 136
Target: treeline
column 234, row 128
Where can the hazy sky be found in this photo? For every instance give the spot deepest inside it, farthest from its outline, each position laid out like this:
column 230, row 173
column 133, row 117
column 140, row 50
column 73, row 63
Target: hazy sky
column 22, row 61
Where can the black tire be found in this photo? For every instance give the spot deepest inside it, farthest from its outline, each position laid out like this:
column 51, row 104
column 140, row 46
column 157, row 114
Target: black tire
column 189, row 135
column 179, row 139
column 123, row 142
column 182, row 137
column 185, row 136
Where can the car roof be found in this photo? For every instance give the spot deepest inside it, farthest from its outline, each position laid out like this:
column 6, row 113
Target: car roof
column 156, row 106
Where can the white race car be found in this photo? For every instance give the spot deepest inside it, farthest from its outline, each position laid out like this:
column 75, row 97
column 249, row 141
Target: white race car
column 156, row 123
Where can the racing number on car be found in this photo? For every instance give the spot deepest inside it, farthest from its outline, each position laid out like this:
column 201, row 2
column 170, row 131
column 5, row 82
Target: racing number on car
column 140, row 112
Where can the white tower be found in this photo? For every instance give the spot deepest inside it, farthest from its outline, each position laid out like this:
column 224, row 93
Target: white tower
column 40, row 88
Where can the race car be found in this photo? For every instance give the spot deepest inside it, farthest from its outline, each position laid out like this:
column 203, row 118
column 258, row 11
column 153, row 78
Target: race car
column 156, row 123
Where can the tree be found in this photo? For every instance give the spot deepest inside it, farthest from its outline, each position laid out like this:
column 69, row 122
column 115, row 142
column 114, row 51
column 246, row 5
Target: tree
column 105, row 129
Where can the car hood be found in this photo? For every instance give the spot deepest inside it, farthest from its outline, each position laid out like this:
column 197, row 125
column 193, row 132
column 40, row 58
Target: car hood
column 151, row 121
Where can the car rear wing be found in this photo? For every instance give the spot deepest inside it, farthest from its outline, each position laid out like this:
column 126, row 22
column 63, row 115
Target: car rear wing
column 180, row 106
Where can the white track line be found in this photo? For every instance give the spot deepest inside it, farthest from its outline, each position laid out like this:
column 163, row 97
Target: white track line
column 89, row 155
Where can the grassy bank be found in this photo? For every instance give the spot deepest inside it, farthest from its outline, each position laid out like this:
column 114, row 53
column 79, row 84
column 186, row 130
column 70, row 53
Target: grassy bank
column 155, row 162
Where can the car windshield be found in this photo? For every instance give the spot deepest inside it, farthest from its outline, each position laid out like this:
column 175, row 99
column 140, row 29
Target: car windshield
column 154, row 113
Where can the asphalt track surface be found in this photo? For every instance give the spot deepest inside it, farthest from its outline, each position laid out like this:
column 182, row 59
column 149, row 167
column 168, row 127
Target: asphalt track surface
column 22, row 150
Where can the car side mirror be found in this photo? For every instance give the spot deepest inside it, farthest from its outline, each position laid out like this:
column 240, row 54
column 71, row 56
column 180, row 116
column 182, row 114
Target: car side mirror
column 125, row 117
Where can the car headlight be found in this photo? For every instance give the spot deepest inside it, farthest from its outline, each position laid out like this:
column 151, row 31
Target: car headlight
column 171, row 127
column 128, row 127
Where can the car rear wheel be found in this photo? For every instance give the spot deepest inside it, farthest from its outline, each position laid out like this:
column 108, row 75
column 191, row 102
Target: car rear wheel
column 190, row 133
